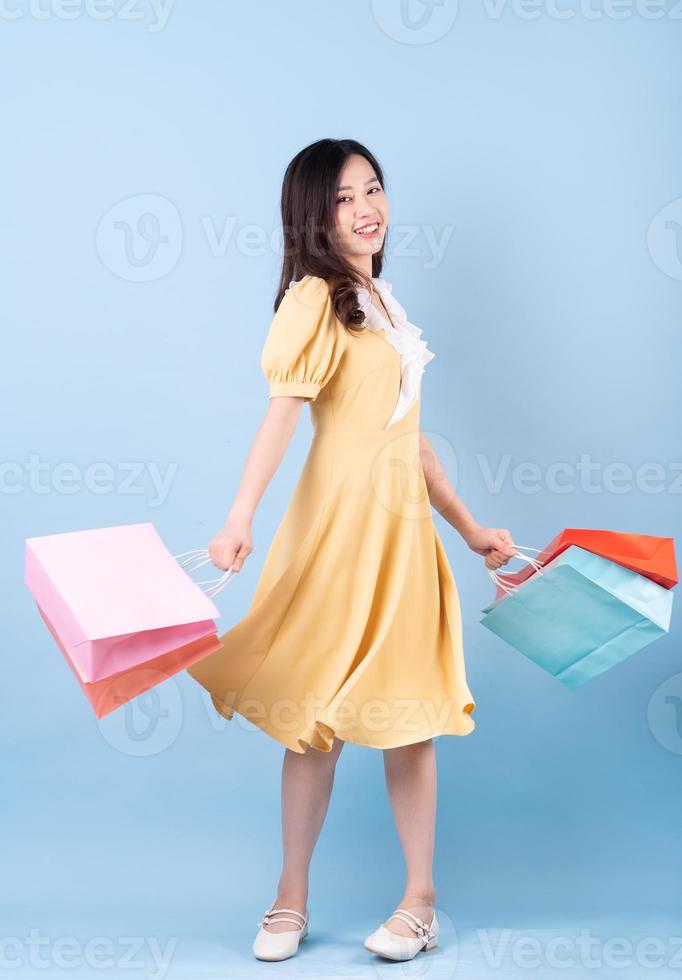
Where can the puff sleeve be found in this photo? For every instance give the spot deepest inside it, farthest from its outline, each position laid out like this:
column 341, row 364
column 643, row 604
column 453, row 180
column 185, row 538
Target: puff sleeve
column 305, row 342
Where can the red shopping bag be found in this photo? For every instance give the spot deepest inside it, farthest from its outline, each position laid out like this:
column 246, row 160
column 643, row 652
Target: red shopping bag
column 109, row 693
column 647, row 554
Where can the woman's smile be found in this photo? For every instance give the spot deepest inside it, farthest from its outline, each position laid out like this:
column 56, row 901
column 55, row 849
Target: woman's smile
column 369, row 230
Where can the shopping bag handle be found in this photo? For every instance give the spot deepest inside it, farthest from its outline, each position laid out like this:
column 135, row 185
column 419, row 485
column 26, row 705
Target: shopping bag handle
column 497, row 577
column 191, row 560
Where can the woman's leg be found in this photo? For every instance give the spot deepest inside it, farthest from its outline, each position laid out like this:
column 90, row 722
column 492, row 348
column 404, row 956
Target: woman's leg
column 411, row 783
column 307, row 780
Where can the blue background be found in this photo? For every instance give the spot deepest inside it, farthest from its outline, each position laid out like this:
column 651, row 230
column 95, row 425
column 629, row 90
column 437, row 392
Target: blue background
column 545, row 154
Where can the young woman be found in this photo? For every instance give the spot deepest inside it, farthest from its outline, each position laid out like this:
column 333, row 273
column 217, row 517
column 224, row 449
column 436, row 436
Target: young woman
column 354, row 631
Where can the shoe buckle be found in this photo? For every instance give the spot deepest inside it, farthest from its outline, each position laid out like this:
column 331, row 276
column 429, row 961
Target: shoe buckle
column 418, row 926
column 422, row 929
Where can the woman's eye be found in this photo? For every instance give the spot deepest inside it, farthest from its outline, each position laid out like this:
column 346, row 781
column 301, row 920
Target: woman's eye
column 340, row 200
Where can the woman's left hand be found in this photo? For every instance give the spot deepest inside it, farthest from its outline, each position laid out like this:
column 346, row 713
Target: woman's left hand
column 493, row 542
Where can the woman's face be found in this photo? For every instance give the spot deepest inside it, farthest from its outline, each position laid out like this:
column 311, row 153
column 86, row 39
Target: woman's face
column 360, row 204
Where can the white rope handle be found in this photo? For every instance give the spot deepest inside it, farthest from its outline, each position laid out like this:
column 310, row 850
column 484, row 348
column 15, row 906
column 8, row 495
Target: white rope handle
column 191, row 560
column 497, row 577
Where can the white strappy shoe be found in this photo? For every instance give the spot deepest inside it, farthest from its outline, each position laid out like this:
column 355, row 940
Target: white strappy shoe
column 396, row 947
column 279, row 945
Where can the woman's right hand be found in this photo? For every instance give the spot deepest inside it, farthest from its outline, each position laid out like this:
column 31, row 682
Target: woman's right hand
column 232, row 544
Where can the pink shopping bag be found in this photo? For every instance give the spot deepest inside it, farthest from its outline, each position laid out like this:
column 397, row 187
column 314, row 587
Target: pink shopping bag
column 116, row 597
column 110, row 693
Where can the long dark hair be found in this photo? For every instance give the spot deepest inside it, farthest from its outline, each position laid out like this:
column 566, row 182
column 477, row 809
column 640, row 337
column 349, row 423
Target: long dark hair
column 308, row 208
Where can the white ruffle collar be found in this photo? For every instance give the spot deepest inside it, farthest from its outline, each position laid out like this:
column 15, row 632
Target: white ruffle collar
column 403, row 336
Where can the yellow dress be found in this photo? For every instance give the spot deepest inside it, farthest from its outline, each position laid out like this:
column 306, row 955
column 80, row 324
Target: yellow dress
column 354, row 629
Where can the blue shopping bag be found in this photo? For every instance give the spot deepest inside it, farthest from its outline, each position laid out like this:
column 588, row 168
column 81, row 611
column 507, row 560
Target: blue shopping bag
column 580, row 614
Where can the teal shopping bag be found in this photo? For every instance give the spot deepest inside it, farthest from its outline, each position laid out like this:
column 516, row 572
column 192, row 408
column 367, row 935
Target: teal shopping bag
column 580, row 614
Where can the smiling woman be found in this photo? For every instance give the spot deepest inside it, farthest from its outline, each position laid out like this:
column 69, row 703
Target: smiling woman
column 354, row 632
column 372, row 227
column 334, row 229
column 381, row 622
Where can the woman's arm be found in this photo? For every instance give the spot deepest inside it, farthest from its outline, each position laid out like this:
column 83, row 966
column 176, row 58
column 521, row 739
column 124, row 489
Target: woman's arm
column 233, row 543
column 493, row 542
